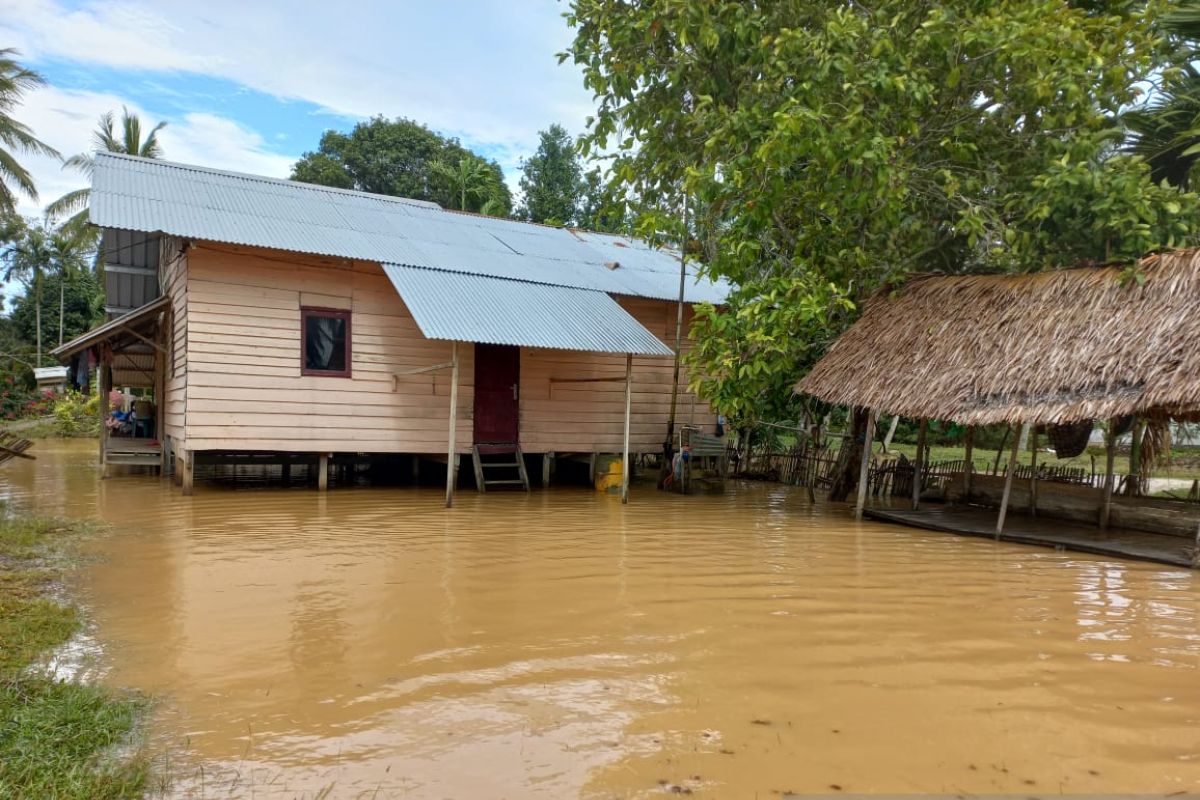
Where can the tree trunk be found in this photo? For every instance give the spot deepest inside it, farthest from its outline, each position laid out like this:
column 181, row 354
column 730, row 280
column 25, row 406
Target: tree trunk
column 1133, row 483
column 37, row 315
column 61, row 308
column 1000, row 449
column 845, row 476
column 887, row 439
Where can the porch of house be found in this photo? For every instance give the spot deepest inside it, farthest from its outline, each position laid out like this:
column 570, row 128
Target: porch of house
column 129, row 352
column 1045, row 532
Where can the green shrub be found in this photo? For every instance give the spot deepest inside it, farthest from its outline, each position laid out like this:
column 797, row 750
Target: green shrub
column 75, row 414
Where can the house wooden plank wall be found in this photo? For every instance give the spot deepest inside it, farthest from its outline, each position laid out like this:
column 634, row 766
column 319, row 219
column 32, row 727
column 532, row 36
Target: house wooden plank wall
column 240, row 380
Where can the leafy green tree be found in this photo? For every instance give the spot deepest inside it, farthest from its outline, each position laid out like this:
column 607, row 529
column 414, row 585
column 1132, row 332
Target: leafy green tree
column 599, row 209
column 397, row 157
column 106, row 138
column 51, row 262
column 27, row 260
column 552, row 180
column 828, row 149
column 76, row 298
column 15, row 136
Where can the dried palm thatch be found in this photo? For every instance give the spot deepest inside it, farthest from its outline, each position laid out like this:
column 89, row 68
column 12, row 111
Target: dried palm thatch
column 1050, row 347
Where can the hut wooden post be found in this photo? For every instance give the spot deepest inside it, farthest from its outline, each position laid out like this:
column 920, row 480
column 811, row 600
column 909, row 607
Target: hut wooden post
column 450, row 447
column 864, row 469
column 919, row 464
column 1033, row 480
column 968, row 460
column 1110, row 451
column 1196, row 550
column 1008, row 479
column 625, row 440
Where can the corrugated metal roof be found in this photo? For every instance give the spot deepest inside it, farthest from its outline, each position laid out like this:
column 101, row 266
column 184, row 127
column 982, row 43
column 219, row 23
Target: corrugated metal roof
column 113, row 327
column 195, row 202
column 476, row 308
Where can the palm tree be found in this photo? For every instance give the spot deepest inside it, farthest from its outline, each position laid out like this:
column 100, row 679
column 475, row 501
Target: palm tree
column 15, row 80
column 27, row 259
column 1166, row 133
column 470, row 177
column 69, row 260
column 105, row 138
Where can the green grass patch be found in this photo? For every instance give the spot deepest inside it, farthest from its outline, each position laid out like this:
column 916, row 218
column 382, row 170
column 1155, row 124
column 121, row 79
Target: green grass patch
column 58, row 738
column 1185, row 466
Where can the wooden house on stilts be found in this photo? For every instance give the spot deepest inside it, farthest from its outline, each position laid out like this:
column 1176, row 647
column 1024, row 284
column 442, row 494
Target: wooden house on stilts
column 1052, row 352
column 298, row 323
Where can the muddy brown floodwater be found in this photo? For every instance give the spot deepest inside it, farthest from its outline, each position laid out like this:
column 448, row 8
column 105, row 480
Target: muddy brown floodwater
column 370, row 643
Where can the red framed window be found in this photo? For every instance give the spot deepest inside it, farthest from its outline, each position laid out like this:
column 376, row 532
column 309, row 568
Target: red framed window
column 325, row 342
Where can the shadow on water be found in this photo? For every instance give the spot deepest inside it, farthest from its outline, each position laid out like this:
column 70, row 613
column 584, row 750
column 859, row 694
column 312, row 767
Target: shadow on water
column 558, row 644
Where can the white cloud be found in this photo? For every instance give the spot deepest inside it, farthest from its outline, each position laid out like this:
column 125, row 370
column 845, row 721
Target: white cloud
column 485, row 71
column 64, row 119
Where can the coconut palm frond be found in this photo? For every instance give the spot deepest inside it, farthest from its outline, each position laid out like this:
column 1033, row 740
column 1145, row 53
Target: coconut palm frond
column 15, row 136
column 106, row 139
column 69, row 204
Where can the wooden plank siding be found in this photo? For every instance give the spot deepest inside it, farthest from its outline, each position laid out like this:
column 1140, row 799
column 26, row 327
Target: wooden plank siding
column 174, row 283
column 244, row 390
column 560, row 416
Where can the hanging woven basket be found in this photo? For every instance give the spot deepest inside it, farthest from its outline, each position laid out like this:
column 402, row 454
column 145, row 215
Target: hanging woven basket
column 1071, row 439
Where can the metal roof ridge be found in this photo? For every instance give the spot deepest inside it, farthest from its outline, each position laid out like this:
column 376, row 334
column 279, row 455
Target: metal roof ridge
column 315, row 187
column 484, row 276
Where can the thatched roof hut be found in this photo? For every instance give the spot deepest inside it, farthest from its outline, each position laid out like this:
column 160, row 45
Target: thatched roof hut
column 1050, row 347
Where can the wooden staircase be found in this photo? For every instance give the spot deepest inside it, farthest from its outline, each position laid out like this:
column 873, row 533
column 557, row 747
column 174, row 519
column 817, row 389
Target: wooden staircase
column 511, row 459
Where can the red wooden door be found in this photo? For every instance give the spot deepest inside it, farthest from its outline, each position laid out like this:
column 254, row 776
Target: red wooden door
column 497, row 379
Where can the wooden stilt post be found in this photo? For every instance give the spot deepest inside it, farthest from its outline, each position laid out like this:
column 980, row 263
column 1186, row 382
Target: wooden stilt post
column 1110, row 451
column 919, row 464
column 104, row 381
column 547, row 462
column 864, row 469
column 451, row 472
column 323, row 472
column 188, row 462
column 1033, row 480
column 968, row 461
column 1008, row 479
column 625, row 440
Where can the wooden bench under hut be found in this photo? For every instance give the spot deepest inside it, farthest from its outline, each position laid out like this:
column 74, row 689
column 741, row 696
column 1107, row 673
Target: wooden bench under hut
column 1052, row 352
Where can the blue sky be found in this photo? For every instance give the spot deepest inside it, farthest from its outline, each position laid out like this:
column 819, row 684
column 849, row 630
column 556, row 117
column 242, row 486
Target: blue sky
column 249, row 86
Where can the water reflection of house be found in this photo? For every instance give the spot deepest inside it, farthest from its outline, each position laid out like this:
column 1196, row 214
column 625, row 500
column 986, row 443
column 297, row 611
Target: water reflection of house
column 1050, row 352
column 279, row 320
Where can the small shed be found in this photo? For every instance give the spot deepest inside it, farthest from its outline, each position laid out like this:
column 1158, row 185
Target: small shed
column 52, row 379
column 1049, row 349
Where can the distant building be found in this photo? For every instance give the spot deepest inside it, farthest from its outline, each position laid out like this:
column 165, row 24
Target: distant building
column 50, row 378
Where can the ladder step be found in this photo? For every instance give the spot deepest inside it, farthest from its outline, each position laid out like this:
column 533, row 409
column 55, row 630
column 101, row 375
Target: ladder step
column 486, row 464
column 511, row 483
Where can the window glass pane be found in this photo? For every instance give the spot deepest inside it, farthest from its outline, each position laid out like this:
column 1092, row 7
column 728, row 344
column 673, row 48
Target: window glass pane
column 325, row 343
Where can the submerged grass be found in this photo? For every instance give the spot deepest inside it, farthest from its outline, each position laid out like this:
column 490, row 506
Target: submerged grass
column 58, row 738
